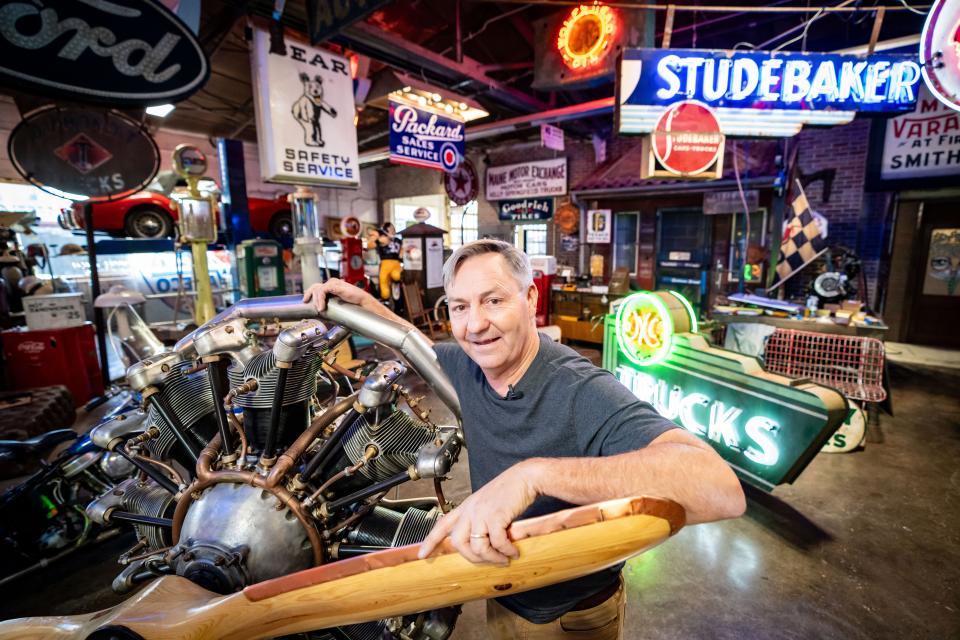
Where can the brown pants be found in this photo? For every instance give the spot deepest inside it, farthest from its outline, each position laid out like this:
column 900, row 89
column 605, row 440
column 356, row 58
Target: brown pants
column 602, row 622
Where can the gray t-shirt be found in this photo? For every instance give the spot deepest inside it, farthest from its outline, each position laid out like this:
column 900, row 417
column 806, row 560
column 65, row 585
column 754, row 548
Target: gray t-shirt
column 564, row 406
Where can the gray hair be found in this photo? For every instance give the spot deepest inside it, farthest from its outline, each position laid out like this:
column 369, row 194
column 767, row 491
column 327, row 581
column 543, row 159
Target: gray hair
column 517, row 261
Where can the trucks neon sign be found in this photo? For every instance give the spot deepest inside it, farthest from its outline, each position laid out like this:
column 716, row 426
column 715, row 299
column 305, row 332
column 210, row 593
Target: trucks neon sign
column 766, row 426
column 790, row 89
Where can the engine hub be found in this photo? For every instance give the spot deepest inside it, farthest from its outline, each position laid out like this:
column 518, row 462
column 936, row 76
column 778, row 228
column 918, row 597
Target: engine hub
column 235, row 535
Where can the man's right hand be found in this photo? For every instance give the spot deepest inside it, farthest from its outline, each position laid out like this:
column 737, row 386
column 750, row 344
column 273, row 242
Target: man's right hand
column 345, row 291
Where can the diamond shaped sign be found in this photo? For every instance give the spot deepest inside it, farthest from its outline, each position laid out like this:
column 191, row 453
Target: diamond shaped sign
column 82, row 153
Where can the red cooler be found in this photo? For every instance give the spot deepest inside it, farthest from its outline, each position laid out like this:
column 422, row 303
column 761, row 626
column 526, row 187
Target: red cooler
column 54, row 356
column 351, row 261
column 544, row 271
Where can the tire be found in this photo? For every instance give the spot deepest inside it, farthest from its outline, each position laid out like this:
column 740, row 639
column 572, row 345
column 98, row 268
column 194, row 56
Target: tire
column 148, row 222
column 281, row 226
column 48, row 408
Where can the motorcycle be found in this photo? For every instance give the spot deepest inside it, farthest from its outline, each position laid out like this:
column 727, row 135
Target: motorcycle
column 43, row 518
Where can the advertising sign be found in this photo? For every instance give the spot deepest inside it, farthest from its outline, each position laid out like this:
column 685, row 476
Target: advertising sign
column 304, row 105
column 425, row 139
column 686, row 142
column 760, row 93
column 131, row 54
column 526, row 209
column 462, row 184
column 599, row 225
column 103, row 155
column 767, row 427
column 922, row 144
column 535, row 179
column 940, row 52
column 551, row 137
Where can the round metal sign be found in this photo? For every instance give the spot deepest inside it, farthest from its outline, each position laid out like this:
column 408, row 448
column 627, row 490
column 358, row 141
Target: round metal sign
column 350, row 227
column 940, row 52
column 647, row 322
column 88, row 153
column 189, row 161
column 462, row 183
column 567, row 218
column 687, row 139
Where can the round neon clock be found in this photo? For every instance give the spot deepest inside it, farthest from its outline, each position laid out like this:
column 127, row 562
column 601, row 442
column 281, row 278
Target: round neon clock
column 647, row 322
column 586, row 34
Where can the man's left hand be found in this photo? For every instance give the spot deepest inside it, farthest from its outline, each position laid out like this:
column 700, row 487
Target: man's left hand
column 478, row 527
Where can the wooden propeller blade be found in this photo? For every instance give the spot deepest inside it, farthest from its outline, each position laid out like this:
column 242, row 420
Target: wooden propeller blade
column 553, row 548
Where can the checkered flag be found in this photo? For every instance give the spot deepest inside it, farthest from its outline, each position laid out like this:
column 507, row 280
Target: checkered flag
column 802, row 240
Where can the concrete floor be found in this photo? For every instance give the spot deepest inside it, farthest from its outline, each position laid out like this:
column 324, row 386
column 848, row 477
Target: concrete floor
column 863, row 545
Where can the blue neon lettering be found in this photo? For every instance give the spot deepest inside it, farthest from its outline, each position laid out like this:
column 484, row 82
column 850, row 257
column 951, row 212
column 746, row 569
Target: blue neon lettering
column 769, row 78
column 666, row 70
column 796, row 83
column 744, row 78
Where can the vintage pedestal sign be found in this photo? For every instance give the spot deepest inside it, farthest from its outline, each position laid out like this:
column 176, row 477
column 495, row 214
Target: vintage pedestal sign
column 103, row 155
column 423, row 138
column 118, row 53
column 766, row 426
column 304, row 107
column 761, row 93
column 940, row 52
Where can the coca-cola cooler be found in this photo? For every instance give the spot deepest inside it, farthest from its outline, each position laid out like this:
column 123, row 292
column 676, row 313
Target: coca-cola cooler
column 47, row 357
column 544, row 271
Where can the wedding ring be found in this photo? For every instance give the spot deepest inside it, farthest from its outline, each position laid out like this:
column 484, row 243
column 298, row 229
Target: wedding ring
column 478, row 535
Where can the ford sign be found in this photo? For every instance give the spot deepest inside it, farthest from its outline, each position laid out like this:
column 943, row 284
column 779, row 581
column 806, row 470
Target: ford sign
column 123, row 52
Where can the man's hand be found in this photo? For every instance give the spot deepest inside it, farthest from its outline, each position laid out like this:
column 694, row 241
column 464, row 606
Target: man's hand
column 478, row 527
column 336, row 287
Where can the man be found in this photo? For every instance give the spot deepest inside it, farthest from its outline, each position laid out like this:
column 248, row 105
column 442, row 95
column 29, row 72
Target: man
column 546, row 429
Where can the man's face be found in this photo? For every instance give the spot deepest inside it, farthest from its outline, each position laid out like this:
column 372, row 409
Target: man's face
column 491, row 317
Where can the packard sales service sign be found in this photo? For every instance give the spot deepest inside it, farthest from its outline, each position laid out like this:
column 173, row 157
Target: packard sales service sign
column 304, row 107
column 425, row 139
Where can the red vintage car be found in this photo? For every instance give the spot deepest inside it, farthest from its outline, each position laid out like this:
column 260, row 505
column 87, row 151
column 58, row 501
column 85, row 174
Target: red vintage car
column 151, row 214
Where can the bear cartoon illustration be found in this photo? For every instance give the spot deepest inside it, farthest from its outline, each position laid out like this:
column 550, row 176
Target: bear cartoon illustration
column 307, row 110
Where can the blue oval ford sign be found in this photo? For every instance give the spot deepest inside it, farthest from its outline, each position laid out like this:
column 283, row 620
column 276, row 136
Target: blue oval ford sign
column 122, row 52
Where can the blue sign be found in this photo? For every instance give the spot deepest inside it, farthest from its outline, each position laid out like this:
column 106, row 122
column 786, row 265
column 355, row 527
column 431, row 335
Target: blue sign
column 789, row 89
column 526, row 209
column 424, row 139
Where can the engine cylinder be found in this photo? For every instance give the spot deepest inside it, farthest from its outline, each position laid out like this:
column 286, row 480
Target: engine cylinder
column 190, row 397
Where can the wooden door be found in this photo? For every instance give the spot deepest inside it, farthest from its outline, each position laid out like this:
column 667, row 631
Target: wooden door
column 935, row 312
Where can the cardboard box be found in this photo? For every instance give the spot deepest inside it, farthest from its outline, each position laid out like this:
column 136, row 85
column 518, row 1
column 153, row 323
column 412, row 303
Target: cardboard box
column 55, row 311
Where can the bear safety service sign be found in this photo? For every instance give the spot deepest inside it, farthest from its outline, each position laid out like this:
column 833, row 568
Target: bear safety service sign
column 304, row 104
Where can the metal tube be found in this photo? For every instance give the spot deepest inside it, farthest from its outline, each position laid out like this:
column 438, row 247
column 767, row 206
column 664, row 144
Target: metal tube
column 136, row 518
column 322, row 457
column 151, row 471
column 217, row 374
column 271, row 443
column 383, row 485
column 98, row 319
column 160, row 404
column 354, row 550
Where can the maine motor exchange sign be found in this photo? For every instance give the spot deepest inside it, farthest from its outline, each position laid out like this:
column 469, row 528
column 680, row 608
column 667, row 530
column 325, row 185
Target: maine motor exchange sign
column 535, row 179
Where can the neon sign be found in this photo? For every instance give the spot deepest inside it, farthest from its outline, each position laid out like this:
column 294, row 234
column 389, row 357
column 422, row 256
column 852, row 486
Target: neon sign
column 790, row 89
column 645, row 325
column 585, row 36
column 766, row 426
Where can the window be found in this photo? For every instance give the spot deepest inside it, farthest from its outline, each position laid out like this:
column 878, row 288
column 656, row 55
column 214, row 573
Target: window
column 403, row 215
column 463, row 224
column 625, row 241
column 531, row 238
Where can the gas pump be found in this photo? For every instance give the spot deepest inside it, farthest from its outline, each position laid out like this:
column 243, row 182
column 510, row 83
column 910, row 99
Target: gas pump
column 307, row 240
column 351, row 255
column 197, row 225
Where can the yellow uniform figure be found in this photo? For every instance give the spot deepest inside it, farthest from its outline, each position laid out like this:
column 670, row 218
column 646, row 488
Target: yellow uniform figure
column 388, row 248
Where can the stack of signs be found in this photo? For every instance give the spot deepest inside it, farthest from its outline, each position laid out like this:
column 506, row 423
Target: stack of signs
column 304, row 106
column 424, row 138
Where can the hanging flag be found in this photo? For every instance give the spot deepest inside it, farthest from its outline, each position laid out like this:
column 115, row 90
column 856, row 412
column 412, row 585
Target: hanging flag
column 803, row 240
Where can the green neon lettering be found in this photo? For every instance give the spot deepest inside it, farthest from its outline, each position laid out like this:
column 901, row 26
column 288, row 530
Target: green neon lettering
column 687, row 419
column 759, row 429
column 722, row 425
